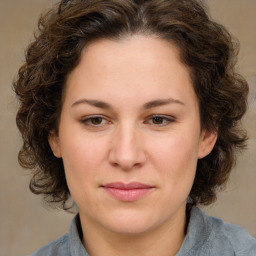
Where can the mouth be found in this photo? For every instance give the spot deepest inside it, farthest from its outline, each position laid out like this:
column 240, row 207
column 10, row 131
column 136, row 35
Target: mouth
column 127, row 192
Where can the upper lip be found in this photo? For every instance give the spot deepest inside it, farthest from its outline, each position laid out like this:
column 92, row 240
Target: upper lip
column 127, row 186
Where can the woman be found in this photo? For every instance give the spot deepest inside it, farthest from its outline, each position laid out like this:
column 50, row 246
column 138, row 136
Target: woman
column 133, row 109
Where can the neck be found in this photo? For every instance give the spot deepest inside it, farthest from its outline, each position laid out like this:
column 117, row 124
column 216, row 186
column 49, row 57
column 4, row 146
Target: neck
column 165, row 240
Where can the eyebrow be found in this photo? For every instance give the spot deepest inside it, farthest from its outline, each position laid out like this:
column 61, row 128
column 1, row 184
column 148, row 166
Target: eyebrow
column 148, row 105
column 94, row 103
column 161, row 102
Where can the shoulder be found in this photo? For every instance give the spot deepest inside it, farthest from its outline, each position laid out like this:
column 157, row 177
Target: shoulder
column 59, row 247
column 226, row 238
column 233, row 236
column 67, row 245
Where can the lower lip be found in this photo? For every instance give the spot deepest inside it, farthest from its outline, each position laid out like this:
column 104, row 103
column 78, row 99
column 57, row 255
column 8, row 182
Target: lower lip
column 128, row 195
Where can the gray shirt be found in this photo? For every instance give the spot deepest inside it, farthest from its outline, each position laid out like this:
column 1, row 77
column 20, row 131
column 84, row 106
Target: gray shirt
column 206, row 236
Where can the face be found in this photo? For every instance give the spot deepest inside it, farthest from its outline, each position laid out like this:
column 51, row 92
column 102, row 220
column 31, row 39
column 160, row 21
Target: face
column 129, row 135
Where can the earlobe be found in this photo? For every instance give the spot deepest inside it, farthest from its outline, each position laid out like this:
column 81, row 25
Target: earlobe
column 207, row 142
column 54, row 143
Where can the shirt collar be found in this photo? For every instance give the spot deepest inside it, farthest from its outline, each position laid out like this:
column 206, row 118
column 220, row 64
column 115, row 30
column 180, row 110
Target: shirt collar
column 198, row 233
column 76, row 246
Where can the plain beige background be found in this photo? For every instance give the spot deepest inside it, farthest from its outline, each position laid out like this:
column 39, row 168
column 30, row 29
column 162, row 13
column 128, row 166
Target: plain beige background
column 25, row 223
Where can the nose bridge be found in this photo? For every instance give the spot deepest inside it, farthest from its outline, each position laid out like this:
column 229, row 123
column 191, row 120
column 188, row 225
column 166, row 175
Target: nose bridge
column 127, row 149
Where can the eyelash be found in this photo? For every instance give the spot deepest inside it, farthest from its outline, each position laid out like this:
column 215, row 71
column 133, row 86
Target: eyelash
column 88, row 121
column 167, row 120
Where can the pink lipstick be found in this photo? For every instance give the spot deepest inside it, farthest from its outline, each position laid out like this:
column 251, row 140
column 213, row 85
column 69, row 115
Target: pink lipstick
column 127, row 192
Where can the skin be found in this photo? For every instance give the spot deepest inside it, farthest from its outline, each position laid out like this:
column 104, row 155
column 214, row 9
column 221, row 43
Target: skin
column 109, row 132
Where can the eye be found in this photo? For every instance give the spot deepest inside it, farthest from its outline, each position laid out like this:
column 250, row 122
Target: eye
column 94, row 121
column 160, row 120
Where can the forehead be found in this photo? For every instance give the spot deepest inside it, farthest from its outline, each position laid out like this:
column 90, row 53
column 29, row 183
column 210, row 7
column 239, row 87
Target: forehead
column 145, row 52
column 135, row 65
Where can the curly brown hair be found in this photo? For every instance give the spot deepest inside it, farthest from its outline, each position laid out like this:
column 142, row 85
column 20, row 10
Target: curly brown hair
column 206, row 48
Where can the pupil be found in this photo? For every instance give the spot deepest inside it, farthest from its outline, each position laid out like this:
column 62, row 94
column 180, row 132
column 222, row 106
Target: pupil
column 96, row 120
column 158, row 120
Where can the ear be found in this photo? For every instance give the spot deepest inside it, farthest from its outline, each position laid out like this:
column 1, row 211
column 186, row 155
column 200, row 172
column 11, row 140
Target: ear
column 54, row 143
column 207, row 142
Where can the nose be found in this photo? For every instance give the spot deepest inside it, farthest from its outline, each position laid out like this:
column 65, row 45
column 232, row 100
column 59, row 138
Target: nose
column 127, row 150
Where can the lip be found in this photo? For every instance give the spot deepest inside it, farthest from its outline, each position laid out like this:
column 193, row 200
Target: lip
column 127, row 192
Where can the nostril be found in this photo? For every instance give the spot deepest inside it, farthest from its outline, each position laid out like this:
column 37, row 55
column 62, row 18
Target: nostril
column 115, row 164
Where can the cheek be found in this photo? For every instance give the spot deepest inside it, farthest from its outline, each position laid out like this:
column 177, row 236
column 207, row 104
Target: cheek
column 83, row 151
column 174, row 150
column 175, row 157
column 83, row 158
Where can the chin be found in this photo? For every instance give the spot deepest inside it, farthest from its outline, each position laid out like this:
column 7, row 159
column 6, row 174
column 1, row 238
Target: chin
column 131, row 223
